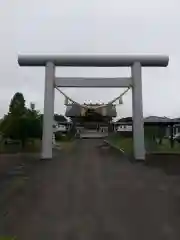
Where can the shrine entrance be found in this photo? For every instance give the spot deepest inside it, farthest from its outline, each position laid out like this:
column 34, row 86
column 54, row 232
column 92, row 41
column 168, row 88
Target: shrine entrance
column 135, row 62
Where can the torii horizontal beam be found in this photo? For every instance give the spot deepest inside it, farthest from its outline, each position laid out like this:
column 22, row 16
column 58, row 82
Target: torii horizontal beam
column 94, row 60
column 93, row 82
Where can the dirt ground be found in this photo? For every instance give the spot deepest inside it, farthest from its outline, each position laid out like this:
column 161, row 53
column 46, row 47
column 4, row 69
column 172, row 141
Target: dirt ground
column 90, row 192
column 8, row 161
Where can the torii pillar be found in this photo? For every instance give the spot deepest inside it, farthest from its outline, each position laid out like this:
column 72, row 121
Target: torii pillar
column 137, row 108
column 48, row 118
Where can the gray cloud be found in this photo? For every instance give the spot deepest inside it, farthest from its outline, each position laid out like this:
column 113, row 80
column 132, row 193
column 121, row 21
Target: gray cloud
column 99, row 26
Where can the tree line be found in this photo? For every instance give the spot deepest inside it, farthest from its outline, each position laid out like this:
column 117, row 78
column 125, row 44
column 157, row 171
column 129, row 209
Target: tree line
column 21, row 122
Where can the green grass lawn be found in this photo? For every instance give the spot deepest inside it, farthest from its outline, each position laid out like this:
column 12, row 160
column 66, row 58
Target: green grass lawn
column 165, row 147
column 126, row 144
column 33, row 145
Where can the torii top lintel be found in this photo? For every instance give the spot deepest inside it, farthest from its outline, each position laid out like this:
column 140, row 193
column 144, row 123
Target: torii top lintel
column 94, row 60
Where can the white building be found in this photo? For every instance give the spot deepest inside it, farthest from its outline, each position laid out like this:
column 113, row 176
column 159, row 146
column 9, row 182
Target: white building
column 124, row 128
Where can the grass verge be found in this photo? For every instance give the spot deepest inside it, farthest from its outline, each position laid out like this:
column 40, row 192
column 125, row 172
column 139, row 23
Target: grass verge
column 126, row 144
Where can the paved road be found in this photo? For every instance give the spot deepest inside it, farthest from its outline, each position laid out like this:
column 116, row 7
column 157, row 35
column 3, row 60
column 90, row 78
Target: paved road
column 88, row 192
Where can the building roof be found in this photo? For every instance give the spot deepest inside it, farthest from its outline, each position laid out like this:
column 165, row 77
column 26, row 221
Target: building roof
column 74, row 110
column 157, row 119
column 151, row 119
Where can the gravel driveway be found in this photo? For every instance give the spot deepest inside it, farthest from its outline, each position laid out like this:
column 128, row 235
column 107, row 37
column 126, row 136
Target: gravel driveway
column 88, row 192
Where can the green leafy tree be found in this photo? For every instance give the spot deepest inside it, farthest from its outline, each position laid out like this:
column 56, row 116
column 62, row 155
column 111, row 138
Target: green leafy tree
column 34, row 119
column 13, row 124
column 21, row 123
column 17, row 105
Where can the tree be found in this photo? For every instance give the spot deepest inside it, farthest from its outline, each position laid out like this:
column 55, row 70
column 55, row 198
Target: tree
column 21, row 123
column 14, row 127
column 17, row 106
column 34, row 122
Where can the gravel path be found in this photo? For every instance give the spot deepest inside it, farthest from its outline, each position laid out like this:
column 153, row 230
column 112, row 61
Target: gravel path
column 88, row 192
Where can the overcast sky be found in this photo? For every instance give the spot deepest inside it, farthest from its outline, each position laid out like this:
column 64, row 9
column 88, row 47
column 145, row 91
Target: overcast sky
column 96, row 26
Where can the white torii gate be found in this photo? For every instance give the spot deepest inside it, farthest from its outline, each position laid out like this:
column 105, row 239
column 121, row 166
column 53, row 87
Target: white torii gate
column 93, row 60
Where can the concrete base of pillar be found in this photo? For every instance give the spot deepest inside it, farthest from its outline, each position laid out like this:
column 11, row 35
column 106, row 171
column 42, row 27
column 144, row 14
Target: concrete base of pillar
column 45, row 159
column 140, row 160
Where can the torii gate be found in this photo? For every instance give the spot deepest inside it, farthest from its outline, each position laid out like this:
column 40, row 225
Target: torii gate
column 93, row 60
